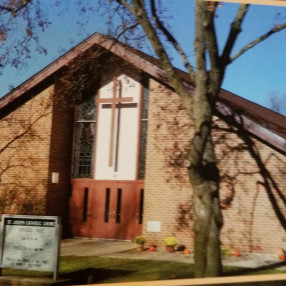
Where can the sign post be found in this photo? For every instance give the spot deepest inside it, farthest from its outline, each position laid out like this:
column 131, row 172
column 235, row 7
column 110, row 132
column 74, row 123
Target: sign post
column 30, row 243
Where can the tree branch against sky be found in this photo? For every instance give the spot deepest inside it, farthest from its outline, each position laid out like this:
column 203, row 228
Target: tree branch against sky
column 257, row 41
column 172, row 40
column 13, row 7
column 141, row 16
column 20, row 20
column 234, row 31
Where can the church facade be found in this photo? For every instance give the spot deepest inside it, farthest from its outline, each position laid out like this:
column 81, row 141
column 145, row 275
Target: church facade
column 111, row 162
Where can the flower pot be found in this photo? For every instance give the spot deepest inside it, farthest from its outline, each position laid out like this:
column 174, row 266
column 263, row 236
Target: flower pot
column 140, row 247
column 186, row 251
column 170, row 249
column 236, row 253
column 152, row 248
column 282, row 257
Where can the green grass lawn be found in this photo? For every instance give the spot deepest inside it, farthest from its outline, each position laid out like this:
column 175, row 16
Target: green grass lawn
column 100, row 270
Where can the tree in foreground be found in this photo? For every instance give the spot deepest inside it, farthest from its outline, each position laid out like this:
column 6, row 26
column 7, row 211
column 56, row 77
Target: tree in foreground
column 206, row 75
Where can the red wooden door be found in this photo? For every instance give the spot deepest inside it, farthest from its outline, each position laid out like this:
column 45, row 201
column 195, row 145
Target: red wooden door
column 115, row 210
column 79, row 222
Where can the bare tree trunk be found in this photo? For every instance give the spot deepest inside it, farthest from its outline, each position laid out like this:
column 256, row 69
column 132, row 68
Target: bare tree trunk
column 203, row 170
column 204, row 177
column 207, row 215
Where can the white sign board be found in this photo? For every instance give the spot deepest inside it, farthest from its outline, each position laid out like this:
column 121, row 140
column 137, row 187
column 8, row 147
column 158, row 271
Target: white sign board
column 30, row 242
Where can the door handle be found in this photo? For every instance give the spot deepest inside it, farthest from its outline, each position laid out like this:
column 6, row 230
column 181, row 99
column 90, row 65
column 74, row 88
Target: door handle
column 112, row 214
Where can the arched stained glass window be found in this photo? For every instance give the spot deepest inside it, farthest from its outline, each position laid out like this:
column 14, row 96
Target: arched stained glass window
column 85, row 136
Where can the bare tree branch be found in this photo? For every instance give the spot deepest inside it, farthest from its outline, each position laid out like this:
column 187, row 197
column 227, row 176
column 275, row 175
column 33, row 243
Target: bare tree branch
column 126, row 24
column 19, row 22
column 216, row 71
column 127, row 6
column 126, row 28
column 257, row 41
column 172, row 40
column 14, row 9
column 139, row 12
column 211, row 40
column 234, row 32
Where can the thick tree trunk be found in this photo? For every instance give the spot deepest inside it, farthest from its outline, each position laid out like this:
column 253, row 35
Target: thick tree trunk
column 203, row 171
column 207, row 214
column 204, row 177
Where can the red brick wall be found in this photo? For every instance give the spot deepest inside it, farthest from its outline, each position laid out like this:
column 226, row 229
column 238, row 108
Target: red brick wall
column 39, row 138
column 251, row 221
column 249, row 217
column 24, row 156
column 167, row 193
column 57, row 198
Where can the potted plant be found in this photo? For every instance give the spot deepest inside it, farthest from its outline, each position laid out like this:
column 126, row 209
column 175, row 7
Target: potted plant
column 282, row 255
column 186, row 251
column 236, row 253
column 225, row 251
column 152, row 247
column 140, row 240
column 170, row 243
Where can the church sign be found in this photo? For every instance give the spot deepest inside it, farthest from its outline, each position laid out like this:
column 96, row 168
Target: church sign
column 30, row 242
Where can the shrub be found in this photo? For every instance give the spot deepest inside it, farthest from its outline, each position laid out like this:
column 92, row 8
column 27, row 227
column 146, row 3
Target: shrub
column 140, row 239
column 225, row 251
column 171, row 241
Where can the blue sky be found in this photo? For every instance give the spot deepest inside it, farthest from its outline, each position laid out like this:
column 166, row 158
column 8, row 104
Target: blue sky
column 255, row 75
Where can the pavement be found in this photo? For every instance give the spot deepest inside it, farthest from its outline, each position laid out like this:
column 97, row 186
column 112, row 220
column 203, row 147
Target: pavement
column 127, row 250
column 94, row 247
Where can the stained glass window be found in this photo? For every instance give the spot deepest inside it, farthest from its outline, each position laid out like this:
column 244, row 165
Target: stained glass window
column 144, row 127
column 85, row 136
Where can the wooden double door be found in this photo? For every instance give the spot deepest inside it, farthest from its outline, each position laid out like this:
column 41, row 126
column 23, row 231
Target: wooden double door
column 107, row 209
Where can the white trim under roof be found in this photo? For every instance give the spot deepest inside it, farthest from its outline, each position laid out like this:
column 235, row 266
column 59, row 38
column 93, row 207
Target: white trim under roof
column 253, row 127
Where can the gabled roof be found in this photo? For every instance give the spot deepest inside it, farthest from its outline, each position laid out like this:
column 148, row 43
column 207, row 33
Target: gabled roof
column 263, row 123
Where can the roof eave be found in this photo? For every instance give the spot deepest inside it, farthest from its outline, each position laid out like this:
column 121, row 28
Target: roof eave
column 257, row 130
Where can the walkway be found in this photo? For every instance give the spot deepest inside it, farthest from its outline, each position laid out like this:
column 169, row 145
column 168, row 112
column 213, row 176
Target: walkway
column 126, row 249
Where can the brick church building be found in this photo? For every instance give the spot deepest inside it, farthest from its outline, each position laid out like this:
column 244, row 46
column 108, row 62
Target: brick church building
column 99, row 138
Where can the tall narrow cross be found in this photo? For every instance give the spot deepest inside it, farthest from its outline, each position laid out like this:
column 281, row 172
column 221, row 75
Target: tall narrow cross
column 115, row 102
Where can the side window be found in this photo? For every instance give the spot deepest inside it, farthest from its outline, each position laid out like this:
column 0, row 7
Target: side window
column 143, row 131
column 85, row 137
